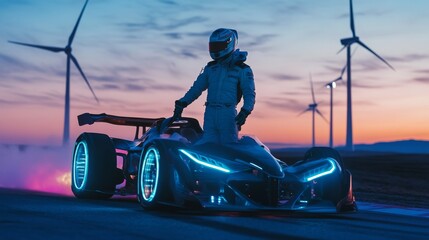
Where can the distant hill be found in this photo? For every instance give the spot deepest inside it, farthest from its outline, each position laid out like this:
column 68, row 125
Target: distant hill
column 403, row 146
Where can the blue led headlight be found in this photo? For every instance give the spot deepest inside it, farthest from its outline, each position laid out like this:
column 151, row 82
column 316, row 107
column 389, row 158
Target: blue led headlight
column 324, row 170
column 205, row 161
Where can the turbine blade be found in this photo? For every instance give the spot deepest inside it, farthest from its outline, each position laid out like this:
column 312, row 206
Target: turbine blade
column 369, row 49
column 342, row 72
column 353, row 53
column 338, row 79
column 76, row 25
column 318, row 112
column 343, row 48
column 345, row 67
column 306, row 110
column 312, row 89
column 352, row 21
column 83, row 75
column 52, row 49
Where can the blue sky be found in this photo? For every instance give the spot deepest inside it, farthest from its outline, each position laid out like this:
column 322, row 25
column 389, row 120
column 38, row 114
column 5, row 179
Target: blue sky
column 140, row 56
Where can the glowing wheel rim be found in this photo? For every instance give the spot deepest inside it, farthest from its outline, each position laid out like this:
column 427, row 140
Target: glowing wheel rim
column 150, row 174
column 80, row 165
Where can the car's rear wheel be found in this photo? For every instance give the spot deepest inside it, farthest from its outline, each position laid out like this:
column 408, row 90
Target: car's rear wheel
column 94, row 172
column 153, row 178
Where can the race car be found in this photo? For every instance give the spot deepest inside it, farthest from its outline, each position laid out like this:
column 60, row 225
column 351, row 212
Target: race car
column 165, row 165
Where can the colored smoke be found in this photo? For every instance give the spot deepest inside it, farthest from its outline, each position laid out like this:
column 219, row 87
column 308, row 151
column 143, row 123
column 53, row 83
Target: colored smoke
column 36, row 168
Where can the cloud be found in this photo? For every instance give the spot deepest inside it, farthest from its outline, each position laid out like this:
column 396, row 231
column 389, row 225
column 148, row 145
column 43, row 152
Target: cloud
column 109, row 86
column 181, row 35
column 283, row 8
column 10, row 64
column 334, row 68
column 171, row 25
column 184, row 52
column 285, row 77
column 114, row 86
column 45, row 99
column 9, row 102
column 295, row 93
column 86, row 101
column 8, row 60
column 367, row 13
column 174, row 35
column 168, row 2
column 187, row 53
column 134, row 87
column 14, row 71
column 256, row 41
column 6, row 4
column 422, row 79
column 408, row 58
column 284, row 104
column 166, row 87
column 118, row 78
column 425, row 71
column 123, row 105
column 191, row 45
column 366, row 86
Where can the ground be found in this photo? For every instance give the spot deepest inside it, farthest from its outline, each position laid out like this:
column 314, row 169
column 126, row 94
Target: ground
column 387, row 178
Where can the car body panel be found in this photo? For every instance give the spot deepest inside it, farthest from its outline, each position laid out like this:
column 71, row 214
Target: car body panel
column 236, row 176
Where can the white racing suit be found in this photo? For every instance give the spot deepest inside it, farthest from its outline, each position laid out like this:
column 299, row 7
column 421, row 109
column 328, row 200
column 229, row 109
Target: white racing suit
column 226, row 81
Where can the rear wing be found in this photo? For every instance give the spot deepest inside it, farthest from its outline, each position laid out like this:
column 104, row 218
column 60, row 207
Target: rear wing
column 89, row 119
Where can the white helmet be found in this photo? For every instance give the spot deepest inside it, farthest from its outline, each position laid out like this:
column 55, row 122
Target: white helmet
column 222, row 42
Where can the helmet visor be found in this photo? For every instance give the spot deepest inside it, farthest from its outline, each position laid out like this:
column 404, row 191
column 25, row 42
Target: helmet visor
column 218, row 46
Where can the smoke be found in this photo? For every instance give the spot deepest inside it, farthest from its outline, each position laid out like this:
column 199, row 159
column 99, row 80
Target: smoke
column 36, row 168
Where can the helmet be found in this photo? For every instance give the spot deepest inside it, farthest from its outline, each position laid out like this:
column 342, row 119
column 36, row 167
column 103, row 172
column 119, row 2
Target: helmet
column 222, row 42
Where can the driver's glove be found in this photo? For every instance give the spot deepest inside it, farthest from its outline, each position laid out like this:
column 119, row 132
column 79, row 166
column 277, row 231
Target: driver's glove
column 240, row 119
column 178, row 108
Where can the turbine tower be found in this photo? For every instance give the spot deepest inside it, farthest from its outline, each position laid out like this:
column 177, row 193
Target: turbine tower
column 313, row 108
column 331, row 85
column 347, row 43
column 68, row 51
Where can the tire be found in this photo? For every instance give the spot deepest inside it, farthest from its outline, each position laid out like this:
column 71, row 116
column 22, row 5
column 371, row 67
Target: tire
column 94, row 172
column 331, row 186
column 323, row 152
column 153, row 178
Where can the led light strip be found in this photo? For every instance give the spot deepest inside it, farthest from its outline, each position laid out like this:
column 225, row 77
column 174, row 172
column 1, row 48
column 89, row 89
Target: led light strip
column 331, row 170
column 203, row 163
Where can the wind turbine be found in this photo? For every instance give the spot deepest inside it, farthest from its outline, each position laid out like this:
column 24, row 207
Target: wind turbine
column 331, row 85
column 347, row 42
column 313, row 108
column 68, row 51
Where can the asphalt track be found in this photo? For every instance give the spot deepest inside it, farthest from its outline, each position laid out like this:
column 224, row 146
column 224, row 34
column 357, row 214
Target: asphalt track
column 35, row 215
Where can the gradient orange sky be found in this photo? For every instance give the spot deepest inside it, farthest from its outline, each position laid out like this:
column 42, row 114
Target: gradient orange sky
column 140, row 57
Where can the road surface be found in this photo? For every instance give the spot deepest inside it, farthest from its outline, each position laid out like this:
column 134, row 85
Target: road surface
column 35, row 215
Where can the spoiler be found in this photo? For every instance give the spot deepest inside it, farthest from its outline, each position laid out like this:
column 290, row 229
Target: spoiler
column 89, row 119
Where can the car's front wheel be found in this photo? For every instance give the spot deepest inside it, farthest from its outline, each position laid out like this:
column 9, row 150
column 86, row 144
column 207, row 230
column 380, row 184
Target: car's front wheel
column 330, row 185
column 337, row 188
column 153, row 178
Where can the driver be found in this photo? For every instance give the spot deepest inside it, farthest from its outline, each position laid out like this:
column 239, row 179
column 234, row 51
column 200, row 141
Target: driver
column 227, row 79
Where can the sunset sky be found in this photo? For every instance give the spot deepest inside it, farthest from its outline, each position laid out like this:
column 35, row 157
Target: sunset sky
column 140, row 56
